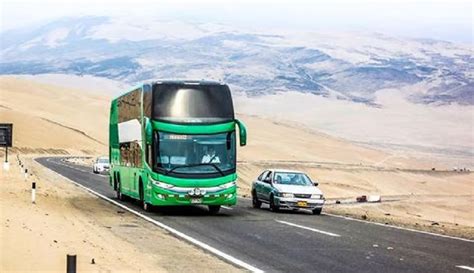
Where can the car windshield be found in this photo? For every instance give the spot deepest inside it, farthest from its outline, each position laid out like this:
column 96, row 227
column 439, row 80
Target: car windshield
column 103, row 160
column 285, row 178
column 178, row 154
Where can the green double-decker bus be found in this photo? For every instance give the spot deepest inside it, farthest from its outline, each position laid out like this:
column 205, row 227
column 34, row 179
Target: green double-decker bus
column 173, row 143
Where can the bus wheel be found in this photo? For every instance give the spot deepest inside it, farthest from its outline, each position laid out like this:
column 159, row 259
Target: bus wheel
column 214, row 209
column 147, row 207
column 120, row 196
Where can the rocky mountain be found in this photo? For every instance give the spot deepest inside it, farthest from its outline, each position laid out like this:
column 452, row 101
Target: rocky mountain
column 349, row 66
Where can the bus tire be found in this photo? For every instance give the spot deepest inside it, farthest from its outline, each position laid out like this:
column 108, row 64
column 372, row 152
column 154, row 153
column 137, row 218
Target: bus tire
column 214, row 209
column 118, row 190
column 146, row 207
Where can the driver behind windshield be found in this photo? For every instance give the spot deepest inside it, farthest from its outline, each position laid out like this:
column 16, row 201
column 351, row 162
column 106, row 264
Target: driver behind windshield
column 210, row 156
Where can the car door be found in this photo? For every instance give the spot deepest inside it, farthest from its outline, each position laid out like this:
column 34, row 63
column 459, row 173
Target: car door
column 267, row 186
column 258, row 186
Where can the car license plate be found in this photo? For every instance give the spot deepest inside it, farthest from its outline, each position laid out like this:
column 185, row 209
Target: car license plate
column 302, row 204
column 196, row 200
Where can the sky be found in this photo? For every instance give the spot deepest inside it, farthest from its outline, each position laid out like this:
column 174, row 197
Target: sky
column 449, row 20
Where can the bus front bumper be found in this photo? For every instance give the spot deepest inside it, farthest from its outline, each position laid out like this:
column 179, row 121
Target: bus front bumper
column 164, row 197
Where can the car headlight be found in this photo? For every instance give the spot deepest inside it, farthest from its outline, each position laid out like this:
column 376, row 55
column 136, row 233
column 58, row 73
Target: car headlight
column 285, row 195
column 317, row 196
column 227, row 185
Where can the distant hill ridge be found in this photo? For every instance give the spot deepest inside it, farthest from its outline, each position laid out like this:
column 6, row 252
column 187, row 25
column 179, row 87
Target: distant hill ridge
column 349, row 66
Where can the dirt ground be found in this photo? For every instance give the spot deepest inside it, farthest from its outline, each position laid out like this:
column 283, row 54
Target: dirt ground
column 67, row 220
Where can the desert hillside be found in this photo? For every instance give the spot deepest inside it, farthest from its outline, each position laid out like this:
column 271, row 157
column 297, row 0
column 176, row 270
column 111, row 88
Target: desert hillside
column 50, row 119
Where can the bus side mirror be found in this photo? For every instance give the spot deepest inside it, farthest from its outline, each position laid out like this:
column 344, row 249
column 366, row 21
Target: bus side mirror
column 148, row 131
column 242, row 133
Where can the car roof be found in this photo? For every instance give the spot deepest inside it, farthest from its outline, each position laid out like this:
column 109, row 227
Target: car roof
column 284, row 171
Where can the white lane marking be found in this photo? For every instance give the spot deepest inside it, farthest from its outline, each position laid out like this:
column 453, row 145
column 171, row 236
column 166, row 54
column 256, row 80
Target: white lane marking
column 465, row 267
column 226, row 207
column 175, row 232
column 308, row 228
column 401, row 228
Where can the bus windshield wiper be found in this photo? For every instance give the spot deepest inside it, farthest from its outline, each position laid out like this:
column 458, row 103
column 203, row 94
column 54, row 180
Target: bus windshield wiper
column 195, row 165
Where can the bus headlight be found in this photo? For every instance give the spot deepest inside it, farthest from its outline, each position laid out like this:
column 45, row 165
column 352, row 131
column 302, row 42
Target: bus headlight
column 227, row 185
column 161, row 184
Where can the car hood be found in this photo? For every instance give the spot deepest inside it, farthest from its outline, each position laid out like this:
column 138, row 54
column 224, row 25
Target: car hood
column 298, row 189
column 102, row 164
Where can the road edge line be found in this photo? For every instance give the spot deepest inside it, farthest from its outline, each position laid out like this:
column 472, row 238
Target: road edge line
column 171, row 230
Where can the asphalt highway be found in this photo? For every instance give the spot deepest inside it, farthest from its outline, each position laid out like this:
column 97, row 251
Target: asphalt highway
column 297, row 241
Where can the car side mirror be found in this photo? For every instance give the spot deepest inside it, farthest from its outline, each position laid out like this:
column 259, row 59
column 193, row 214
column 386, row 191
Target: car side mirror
column 315, row 183
column 267, row 180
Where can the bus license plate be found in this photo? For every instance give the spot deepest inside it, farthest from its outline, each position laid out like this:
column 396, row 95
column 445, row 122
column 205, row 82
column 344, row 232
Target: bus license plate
column 196, row 200
column 302, row 204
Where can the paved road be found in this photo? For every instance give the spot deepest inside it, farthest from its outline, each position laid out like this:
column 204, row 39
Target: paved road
column 298, row 241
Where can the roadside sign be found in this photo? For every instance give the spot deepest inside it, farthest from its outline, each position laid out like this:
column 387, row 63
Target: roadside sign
column 6, row 132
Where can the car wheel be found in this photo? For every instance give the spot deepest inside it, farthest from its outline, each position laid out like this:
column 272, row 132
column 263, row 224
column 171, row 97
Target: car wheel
column 255, row 202
column 214, row 209
column 273, row 207
column 317, row 211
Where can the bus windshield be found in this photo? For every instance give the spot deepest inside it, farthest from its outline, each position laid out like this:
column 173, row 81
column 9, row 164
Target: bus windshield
column 201, row 155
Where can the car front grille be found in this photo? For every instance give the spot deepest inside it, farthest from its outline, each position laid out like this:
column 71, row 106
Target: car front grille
column 303, row 195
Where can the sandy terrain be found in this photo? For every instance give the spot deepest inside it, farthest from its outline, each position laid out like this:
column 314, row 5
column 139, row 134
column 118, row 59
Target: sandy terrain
column 63, row 120
column 442, row 135
column 65, row 220
column 344, row 169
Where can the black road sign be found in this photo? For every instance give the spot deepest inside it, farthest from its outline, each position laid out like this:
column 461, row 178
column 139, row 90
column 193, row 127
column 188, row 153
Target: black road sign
column 6, row 133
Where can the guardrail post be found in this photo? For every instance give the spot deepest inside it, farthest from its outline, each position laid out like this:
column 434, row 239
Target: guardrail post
column 71, row 264
column 26, row 174
column 33, row 192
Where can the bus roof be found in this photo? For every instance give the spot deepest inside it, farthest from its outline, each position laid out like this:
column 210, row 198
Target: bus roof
column 192, row 82
column 177, row 81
